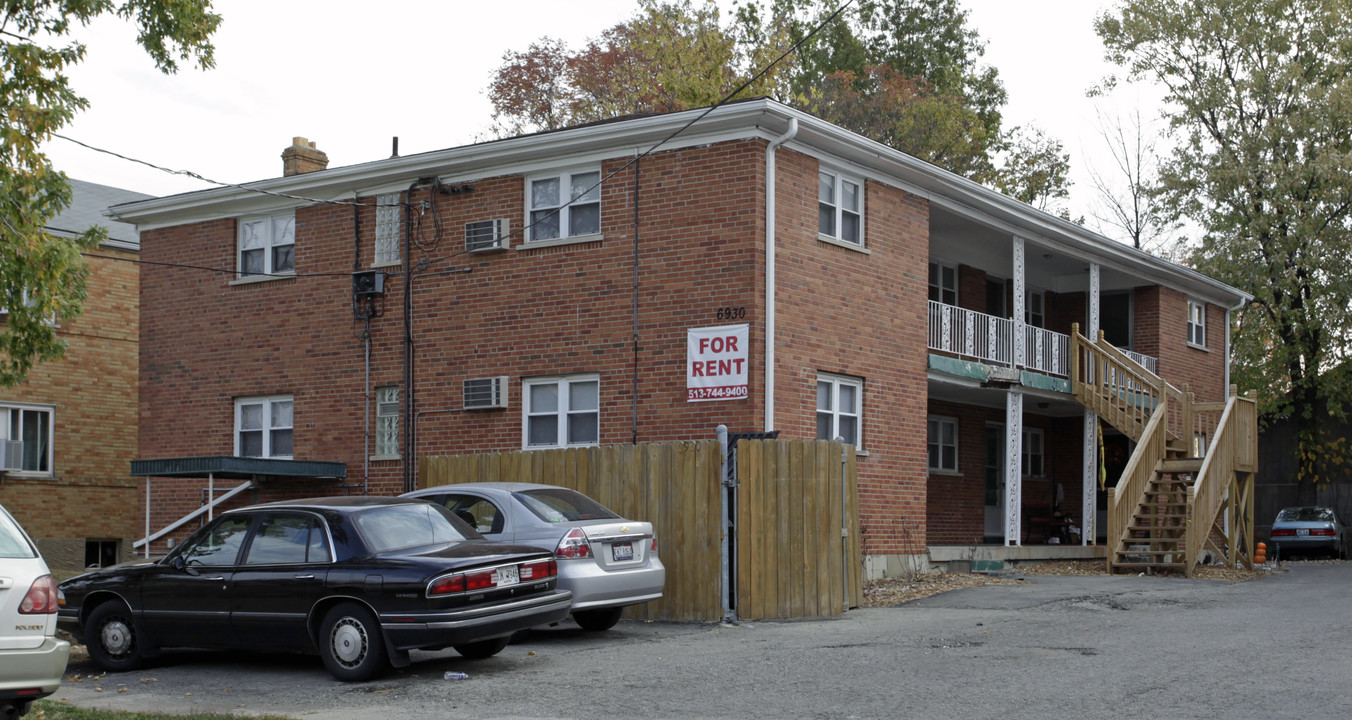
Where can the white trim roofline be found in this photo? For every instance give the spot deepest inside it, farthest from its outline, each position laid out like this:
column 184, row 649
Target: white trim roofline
column 760, row 118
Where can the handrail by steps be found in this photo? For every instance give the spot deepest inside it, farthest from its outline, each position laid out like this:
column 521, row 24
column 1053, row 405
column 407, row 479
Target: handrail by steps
column 195, row 513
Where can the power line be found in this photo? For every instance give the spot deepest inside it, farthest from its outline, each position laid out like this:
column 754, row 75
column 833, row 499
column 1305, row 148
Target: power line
column 409, row 206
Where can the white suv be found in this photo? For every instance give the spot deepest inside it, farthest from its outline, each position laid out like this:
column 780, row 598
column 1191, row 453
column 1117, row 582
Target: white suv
column 32, row 660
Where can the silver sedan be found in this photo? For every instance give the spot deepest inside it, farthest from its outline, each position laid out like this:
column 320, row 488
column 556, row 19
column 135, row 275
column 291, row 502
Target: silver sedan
column 1309, row 529
column 607, row 562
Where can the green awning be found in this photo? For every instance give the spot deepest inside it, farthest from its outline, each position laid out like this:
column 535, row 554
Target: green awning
column 245, row 468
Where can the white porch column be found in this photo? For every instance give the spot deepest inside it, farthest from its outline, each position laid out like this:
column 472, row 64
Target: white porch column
column 1020, row 337
column 1013, row 465
column 1089, row 512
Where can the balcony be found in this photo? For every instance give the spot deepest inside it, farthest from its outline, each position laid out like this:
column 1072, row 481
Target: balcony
column 985, row 338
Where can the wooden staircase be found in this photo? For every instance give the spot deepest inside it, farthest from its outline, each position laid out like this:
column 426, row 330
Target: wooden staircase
column 1171, row 504
column 1157, row 535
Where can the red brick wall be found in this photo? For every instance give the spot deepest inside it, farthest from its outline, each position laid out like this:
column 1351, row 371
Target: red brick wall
column 1065, row 309
column 1202, row 369
column 520, row 313
column 862, row 315
column 552, row 311
column 956, row 502
column 971, row 288
column 90, row 494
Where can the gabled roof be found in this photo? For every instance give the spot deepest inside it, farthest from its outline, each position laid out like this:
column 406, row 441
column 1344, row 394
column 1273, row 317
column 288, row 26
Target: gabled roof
column 760, row 118
column 88, row 204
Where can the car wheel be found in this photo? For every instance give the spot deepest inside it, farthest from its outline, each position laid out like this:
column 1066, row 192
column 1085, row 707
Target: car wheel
column 111, row 638
column 598, row 620
column 483, row 648
column 351, row 645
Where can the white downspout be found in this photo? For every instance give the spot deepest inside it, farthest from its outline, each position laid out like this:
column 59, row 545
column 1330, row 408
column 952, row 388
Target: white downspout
column 770, row 271
column 1225, row 391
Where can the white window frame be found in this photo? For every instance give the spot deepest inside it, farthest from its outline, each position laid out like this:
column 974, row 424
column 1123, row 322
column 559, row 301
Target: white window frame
column 1196, row 323
column 939, row 421
column 1034, row 452
column 835, row 206
column 273, row 231
column 387, row 422
column 268, row 428
column 937, row 269
column 389, row 220
column 564, row 206
column 834, row 410
column 563, row 413
column 1036, row 317
column 10, row 433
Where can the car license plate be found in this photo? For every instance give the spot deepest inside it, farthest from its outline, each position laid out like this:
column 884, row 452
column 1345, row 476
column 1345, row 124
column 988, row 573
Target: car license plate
column 508, row 576
column 622, row 551
column 1303, row 532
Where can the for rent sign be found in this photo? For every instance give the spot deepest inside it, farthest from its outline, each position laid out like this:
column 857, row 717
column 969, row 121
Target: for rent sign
column 716, row 362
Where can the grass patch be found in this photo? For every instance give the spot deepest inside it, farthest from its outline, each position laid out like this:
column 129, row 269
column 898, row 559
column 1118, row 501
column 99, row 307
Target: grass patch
column 51, row 710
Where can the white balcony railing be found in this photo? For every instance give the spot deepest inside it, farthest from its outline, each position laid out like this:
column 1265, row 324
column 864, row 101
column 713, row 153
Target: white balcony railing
column 978, row 336
column 1046, row 351
column 971, row 334
column 1149, row 363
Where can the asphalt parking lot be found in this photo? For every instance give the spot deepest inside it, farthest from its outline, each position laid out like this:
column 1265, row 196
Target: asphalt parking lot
column 1081, row 647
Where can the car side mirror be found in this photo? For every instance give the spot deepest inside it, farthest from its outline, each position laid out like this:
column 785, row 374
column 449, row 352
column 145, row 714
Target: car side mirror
column 179, row 564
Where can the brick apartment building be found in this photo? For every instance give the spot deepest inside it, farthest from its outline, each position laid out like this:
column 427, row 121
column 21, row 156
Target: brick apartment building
column 70, row 427
column 920, row 316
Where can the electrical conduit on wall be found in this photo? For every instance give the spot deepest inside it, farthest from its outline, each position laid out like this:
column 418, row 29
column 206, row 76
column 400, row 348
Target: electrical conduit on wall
column 770, row 271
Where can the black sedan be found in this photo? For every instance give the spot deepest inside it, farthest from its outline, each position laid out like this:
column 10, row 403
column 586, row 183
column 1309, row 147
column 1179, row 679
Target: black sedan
column 360, row 580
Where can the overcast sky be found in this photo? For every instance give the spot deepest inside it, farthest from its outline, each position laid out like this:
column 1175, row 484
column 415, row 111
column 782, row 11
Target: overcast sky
column 350, row 76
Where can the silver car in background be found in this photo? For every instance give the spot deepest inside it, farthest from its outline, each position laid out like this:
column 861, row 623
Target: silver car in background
column 1309, row 529
column 32, row 660
column 607, row 562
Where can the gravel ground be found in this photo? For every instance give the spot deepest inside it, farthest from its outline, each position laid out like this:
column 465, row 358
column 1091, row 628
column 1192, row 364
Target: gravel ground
column 894, row 591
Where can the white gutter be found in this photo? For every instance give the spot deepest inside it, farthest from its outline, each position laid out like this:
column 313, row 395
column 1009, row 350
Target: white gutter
column 770, row 271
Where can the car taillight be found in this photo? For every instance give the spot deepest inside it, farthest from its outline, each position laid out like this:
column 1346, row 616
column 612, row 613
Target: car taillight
column 653, row 547
column 1322, row 531
column 447, row 585
column 41, row 598
column 1283, row 532
column 540, row 570
column 574, row 545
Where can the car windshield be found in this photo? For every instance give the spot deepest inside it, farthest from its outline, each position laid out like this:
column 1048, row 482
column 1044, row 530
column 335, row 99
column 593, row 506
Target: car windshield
column 12, row 541
column 555, row 505
column 396, row 527
column 1305, row 514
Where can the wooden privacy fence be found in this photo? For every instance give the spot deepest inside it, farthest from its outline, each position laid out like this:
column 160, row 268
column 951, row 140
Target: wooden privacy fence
column 798, row 549
column 792, row 558
column 675, row 486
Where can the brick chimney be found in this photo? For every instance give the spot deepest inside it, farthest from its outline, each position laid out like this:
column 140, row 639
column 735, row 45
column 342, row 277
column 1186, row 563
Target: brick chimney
column 302, row 157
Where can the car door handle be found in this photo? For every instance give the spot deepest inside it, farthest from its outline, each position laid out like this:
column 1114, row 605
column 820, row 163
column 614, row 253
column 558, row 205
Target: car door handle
column 305, row 577
column 218, row 577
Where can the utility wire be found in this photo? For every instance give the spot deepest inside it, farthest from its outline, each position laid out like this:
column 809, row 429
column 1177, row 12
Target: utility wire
column 521, row 232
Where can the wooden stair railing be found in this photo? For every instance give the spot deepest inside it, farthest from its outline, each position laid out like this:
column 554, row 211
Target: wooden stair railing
column 1220, row 506
column 1171, row 506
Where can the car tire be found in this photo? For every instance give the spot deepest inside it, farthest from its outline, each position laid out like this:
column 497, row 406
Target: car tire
column 112, row 638
column 598, row 620
column 483, row 648
column 350, row 643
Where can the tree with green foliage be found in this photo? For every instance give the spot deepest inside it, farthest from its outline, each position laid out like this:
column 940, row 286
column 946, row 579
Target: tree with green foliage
column 42, row 276
column 902, row 72
column 1259, row 100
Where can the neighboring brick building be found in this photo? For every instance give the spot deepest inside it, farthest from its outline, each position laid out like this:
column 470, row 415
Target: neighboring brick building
column 70, row 426
column 535, row 324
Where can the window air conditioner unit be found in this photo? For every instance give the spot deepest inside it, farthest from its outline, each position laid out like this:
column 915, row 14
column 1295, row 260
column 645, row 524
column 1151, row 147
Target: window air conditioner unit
column 11, row 455
column 487, row 235
column 486, row 393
